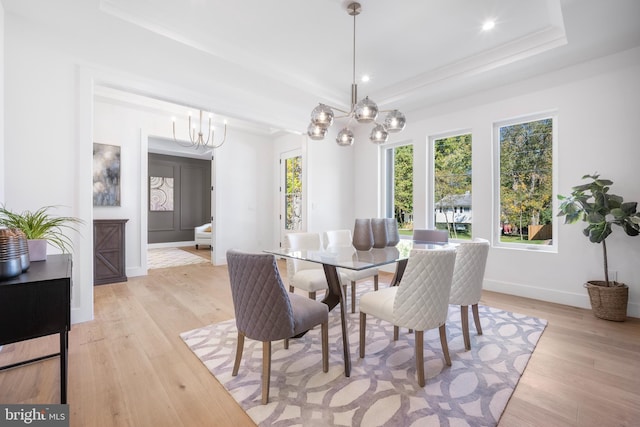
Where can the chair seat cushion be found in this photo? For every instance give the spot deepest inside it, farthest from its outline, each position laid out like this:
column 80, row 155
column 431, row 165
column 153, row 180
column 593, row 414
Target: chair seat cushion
column 313, row 280
column 379, row 303
column 355, row 275
column 307, row 313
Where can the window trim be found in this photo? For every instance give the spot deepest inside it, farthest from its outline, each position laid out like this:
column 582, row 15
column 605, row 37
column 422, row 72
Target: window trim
column 431, row 181
column 385, row 185
column 495, row 216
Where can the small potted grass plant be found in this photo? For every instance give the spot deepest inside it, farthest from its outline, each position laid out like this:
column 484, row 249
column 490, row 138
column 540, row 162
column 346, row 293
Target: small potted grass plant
column 594, row 204
column 40, row 227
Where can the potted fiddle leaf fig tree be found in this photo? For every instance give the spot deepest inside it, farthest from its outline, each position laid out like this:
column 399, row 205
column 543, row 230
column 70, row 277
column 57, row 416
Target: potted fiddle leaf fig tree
column 40, row 227
column 594, row 204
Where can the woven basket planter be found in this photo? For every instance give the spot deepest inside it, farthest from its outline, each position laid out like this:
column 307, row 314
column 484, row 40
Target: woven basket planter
column 608, row 302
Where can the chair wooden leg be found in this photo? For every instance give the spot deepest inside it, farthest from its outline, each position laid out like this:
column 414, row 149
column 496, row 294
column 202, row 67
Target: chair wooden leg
column 312, row 295
column 353, row 296
column 396, row 331
column 286, row 343
column 443, row 342
column 363, row 326
column 291, row 289
column 464, row 320
column 476, row 318
column 375, row 282
column 419, row 342
column 266, row 371
column 239, row 347
column 324, row 329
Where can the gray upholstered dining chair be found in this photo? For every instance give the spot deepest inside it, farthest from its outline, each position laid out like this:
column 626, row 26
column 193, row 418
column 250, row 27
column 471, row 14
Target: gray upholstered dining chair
column 430, row 235
column 466, row 286
column 266, row 312
column 305, row 275
column 420, row 302
column 338, row 238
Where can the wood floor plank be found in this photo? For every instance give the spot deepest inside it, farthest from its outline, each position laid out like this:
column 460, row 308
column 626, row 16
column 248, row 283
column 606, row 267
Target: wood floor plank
column 129, row 367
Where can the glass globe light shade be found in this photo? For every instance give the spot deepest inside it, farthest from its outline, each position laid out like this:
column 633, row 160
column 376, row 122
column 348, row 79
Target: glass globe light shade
column 345, row 137
column 395, row 121
column 322, row 116
column 316, row 132
column 366, row 111
column 379, row 135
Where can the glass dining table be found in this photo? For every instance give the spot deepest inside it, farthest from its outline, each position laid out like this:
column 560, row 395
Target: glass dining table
column 350, row 258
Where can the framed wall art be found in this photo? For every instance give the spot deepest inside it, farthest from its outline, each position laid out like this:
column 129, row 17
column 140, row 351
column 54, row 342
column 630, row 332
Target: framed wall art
column 160, row 193
column 106, row 175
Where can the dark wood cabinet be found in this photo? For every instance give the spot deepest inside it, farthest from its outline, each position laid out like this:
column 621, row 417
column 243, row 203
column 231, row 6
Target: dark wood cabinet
column 108, row 251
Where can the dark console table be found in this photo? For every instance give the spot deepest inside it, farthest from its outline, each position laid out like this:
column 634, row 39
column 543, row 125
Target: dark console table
column 38, row 303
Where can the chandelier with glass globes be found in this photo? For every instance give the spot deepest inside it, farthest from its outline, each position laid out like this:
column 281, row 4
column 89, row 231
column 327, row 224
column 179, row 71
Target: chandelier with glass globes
column 364, row 111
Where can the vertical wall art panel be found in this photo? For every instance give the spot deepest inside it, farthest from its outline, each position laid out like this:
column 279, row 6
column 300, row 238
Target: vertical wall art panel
column 160, row 193
column 106, row 175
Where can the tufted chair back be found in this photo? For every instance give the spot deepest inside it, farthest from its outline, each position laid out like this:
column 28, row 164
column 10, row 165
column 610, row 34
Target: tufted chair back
column 466, row 287
column 301, row 241
column 422, row 299
column 260, row 300
column 338, row 238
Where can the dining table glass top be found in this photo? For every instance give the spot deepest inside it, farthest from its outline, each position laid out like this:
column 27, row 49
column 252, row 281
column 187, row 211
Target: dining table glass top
column 350, row 258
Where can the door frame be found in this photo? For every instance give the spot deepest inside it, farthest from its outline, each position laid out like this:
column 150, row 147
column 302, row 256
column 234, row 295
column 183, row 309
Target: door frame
column 285, row 155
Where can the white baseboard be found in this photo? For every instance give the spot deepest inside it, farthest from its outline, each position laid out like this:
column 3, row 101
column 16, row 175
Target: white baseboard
column 136, row 271
column 572, row 299
column 171, row 244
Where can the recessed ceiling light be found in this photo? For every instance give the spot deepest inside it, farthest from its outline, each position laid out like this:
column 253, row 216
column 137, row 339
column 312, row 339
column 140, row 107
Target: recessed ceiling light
column 488, row 25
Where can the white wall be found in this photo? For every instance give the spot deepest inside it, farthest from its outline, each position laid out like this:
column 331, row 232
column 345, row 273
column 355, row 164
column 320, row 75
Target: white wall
column 598, row 104
column 330, row 171
column 244, row 199
column 40, row 162
column 244, row 204
column 50, row 79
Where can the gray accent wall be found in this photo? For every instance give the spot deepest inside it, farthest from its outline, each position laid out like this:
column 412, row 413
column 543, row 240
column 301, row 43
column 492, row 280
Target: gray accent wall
column 192, row 198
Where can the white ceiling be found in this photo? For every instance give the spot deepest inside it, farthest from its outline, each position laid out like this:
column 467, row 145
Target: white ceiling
column 417, row 52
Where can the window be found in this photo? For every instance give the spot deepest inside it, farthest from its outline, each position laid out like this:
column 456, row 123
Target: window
column 399, row 186
column 526, row 164
column 293, row 193
column 452, row 185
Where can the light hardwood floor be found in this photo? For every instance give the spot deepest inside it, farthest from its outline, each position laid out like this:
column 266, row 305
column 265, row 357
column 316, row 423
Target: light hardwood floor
column 129, row 367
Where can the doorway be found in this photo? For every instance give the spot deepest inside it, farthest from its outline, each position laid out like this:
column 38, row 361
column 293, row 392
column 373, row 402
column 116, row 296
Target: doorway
column 179, row 197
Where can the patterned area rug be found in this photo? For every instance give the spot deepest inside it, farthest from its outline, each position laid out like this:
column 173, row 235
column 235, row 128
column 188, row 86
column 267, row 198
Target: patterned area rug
column 382, row 389
column 171, row 257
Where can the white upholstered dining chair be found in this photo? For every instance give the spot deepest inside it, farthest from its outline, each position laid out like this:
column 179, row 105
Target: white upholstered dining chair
column 305, row 275
column 466, row 286
column 338, row 238
column 420, row 302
